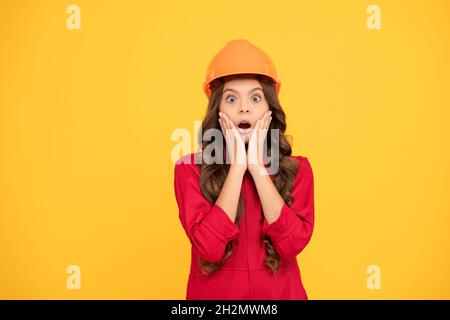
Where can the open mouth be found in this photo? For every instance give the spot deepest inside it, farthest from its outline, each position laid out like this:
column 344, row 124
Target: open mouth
column 244, row 125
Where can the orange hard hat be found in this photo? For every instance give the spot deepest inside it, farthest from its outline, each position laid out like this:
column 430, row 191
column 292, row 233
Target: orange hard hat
column 239, row 57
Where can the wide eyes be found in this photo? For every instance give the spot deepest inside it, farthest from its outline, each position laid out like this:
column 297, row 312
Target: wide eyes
column 231, row 98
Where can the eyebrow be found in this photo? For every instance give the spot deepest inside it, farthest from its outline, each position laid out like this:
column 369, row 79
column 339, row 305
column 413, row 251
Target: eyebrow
column 258, row 88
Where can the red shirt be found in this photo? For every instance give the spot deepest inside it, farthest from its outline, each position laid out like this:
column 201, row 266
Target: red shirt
column 244, row 275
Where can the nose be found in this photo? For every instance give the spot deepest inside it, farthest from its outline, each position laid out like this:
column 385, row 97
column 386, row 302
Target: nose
column 244, row 109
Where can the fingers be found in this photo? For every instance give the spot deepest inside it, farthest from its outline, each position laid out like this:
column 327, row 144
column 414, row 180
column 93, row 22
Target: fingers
column 266, row 120
column 235, row 143
column 221, row 125
column 226, row 122
column 262, row 132
column 269, row 119
column 232, row 127
column 263, row 122
column 225, row 132
column 228, row 138
column 225, row 119
column 226, row 125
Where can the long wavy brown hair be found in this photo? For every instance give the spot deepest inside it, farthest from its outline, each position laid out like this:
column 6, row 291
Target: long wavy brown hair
column 212, row 176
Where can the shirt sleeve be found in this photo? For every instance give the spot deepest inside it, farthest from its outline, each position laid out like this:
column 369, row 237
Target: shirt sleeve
column 293, row 229
column 207, row 225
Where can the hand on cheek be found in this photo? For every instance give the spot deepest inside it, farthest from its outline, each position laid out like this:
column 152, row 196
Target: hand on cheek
column 255, row 148
column 235, row 146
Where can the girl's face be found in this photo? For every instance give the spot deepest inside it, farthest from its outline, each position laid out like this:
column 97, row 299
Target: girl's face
column 243, row 102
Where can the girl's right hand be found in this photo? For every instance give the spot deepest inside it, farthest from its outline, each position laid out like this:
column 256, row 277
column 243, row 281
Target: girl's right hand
column 237, row 155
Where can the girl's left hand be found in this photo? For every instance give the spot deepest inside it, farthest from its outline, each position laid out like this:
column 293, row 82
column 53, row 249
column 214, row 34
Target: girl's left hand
column 255, row 150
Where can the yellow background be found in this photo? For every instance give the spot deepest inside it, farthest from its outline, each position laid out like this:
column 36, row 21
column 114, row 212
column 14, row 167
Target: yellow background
column 86, row 119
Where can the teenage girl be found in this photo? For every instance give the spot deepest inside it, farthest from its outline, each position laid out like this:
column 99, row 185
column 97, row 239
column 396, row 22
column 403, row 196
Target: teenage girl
column 246, row 223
